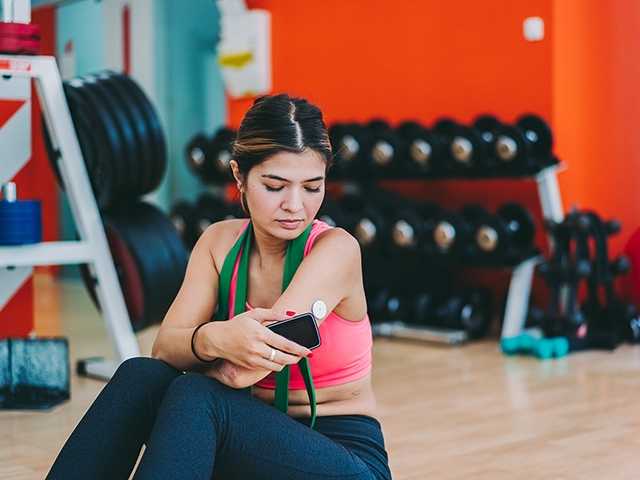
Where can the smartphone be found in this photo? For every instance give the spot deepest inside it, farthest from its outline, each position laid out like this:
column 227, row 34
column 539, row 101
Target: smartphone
column 301, row 329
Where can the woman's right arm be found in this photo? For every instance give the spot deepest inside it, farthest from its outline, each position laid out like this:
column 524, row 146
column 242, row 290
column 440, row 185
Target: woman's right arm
column 194, row 304
column 245, row 341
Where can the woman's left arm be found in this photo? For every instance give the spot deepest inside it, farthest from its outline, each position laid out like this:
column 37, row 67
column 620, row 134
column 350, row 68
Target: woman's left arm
column 330, row 272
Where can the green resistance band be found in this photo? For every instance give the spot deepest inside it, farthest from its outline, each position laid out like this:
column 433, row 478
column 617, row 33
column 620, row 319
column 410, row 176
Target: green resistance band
column 293, row 258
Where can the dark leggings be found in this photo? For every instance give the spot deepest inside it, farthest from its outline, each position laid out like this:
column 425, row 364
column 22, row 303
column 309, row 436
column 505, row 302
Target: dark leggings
column 194, row 427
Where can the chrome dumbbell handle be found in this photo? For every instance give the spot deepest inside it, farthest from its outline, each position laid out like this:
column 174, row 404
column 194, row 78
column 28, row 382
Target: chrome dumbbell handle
column 9, row 192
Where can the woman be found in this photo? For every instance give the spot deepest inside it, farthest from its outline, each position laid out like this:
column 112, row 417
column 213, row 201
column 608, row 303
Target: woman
column 208, row 423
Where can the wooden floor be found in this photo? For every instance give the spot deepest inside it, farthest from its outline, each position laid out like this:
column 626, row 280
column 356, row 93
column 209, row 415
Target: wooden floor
column 447, row 413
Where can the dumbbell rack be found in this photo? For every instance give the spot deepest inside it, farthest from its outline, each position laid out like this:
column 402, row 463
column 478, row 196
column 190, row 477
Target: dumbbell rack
column 519, row 286
column 92, row 248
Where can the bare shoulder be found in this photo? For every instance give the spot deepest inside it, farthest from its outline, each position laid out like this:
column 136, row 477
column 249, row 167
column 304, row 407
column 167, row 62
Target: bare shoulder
column 337, row 241
column 220, row 236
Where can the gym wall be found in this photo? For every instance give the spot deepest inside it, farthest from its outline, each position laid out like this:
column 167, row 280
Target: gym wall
column 402, row 60
column 596, row 107
column 172, row 55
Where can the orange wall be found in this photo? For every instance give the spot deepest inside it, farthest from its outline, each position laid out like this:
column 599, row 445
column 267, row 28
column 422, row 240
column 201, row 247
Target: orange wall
column 400, row 60
column 420, row 60
column 597, row 107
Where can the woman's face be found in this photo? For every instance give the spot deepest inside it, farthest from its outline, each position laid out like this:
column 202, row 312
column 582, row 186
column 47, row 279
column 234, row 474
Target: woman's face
column 284, row 193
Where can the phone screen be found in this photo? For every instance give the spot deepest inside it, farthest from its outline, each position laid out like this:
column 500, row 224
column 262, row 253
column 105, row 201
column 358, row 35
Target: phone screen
column 301, row 329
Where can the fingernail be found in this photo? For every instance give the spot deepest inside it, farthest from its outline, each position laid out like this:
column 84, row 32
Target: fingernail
column 290, row 313
column 310, row 355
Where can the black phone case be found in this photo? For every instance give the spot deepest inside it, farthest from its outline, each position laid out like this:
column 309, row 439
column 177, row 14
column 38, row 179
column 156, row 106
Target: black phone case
column 283, row 331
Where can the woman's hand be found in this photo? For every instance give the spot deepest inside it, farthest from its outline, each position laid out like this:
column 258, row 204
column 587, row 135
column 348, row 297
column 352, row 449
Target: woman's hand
column 247, row 343
column 234, row 376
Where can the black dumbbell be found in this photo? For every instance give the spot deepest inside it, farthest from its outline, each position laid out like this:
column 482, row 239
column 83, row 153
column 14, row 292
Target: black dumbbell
column 367, row 217
column 196, row 153
column 209, row 210
column 507, row 234
column 411, row 225
column 470, row 311
column 386, row 305
column 526, row 146
column 488, row 126
column 350, row 143
column 386, row 152
column 423, row 309
column 182, row 216
column 424, row 150
column 331, row 213
column 209, row 158
column 453, row 233
column 465, row 147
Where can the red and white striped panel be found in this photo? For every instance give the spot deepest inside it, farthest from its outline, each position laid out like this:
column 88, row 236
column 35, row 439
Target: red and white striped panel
column 16, row 289
column 15, row 125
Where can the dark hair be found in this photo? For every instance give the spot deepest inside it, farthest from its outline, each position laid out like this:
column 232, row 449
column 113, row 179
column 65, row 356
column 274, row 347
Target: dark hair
column 277, row 123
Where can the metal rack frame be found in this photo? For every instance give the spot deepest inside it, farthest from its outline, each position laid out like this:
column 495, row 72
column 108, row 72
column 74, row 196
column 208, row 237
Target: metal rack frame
column 92, row 248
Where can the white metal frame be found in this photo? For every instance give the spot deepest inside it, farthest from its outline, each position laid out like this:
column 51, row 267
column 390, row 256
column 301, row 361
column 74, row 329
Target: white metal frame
column 92, row 248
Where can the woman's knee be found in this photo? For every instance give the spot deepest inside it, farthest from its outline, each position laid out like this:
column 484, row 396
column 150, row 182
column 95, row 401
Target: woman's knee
column 197, row 390
column 145, row 370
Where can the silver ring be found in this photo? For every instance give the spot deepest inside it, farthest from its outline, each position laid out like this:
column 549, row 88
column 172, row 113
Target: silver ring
column 273, row 355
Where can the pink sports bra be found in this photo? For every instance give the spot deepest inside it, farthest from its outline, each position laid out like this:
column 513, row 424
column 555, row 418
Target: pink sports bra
column 345, row 352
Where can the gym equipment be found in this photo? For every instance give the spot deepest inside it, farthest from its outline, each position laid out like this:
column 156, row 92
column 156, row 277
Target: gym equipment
column 91, row 246
column 453, row 233
column 508, row 235
column 386, row 154
column 580, row 255
column 425, row 150
column 19, row 38
column 528, row 344
column 137, row 129
column 470, row 311
column 351, row 144
column 209, row 210
column 182, row 216
column 525, row 147
column 117, row 150
column 331, row 213
column 364, row 221
column 120, row 137
column 487, row 126
column 34, row 373
column 20, row 220
column 150, row 259
column 387, row 305
column 465, row 148
column 209, row 158
column 411, row 225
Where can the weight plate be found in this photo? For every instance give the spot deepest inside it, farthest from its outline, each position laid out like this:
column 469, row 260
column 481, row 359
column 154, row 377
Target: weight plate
column 486, row 123
column 91, row 135
column 196, row 155
column 218, row 155
column 156, row 138
column 128, row 160
column 129, row 275
column 511, row 148
column 19, row 30
column 144, row 153
column 166, row 229
column 540, row 132
column 515, row 214
column 182, row 216
column 113, row 150
column 21, row 46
